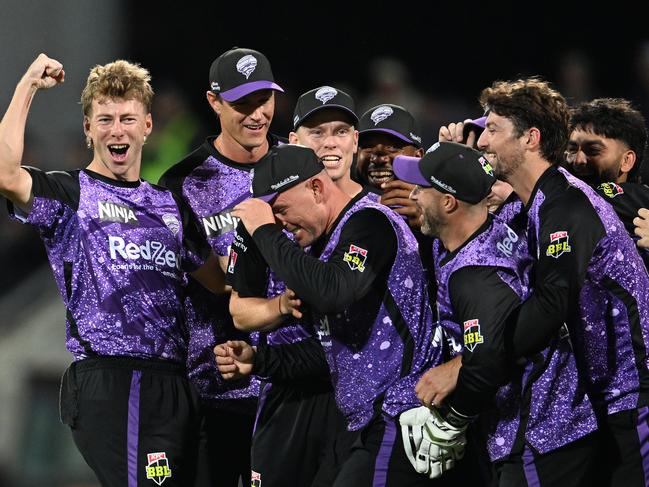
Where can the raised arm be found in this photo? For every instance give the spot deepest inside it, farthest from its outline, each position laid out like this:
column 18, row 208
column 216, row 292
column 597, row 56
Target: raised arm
column 15, row 182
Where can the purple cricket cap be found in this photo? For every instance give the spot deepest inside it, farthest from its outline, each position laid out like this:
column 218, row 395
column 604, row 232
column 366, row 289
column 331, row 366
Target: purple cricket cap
column 239, row 72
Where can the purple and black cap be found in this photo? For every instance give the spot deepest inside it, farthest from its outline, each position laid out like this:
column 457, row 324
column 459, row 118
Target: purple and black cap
column 450, row 168
column 323, row 97
column 283, row 167
column 391, row 119
column 239, row 72
column 477, row 124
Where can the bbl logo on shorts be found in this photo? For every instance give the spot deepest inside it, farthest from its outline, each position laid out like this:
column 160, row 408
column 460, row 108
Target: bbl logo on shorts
column 472, row 336
column 611, row 189
column 355, row 258
column 559, row 244
column 255, row 479
column 158, row 467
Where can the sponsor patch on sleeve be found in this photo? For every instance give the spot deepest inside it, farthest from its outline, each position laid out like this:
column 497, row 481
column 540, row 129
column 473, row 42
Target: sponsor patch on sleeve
column 472, row 335
column 232, row 262
column 559, row 244
column 355, row 258
column 157, row 468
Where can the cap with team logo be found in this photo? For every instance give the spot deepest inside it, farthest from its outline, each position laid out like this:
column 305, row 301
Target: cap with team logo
column 282, row 168
column 451, row 168
column 319, row 98
column 239, row 72
column 391, row 119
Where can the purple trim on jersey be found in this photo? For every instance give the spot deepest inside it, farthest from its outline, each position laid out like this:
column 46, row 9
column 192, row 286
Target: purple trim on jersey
column 391, row 132
column 245, row 89
column 382, row 464
column 643, row 440
column 406, row 168
column 133, row 428
column 529, row 468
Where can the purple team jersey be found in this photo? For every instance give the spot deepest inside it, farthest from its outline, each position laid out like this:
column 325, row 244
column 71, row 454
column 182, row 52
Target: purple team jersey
column 118, row 251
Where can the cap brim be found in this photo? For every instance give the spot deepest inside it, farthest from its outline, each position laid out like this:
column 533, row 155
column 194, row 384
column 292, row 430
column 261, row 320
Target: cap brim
column 406, row 168
column 321, row 107
column 268, row 197
column 479, row 122
column 391, row 132
column 245, row 89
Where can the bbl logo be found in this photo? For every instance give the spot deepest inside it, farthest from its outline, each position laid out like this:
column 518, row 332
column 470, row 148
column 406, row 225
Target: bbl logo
column 486, row 166
column 559, row 244
column 158, row 467
column 355, row 258
column 611, row 189
column 233, row 261
column 255, row 479
column 472, row 336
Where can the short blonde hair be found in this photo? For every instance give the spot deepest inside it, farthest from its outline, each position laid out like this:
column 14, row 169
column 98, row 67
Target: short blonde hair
column 119, row 79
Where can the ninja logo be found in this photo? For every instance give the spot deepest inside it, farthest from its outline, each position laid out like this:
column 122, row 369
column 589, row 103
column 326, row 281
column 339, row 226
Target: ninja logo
column 472, row 336
column 559, row 244
column 355, row 258
column 219, row 223
column 113, row 212
column 157, row 468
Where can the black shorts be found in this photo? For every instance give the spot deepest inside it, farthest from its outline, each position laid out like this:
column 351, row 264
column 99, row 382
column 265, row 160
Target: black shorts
column 136, row 422
column 300, row 438
column 569, row 466
column 623, row 457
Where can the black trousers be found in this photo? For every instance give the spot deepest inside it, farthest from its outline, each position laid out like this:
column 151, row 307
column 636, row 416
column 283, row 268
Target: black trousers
column 300, row 438
column 569, row 466
column 136, row 422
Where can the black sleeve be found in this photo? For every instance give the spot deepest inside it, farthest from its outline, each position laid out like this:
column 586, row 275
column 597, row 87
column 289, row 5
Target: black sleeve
column 482, row 317
column 285, row 363
column 569, row 231
column 62, row 186
column 194, row 240
column 366, row 249
column 247, row 270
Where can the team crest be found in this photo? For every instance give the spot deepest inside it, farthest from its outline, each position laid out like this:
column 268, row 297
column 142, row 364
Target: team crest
column 611, row 189
column 355, row 258
column 255, row 479
column 472, row 336
column 246, row 65
column 325, row 94
column 157, row 468
column 559, row 244
column 380, row 114
column 172, row 222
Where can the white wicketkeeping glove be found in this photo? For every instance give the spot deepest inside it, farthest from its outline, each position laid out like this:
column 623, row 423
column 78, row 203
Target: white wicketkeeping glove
column 432, row 444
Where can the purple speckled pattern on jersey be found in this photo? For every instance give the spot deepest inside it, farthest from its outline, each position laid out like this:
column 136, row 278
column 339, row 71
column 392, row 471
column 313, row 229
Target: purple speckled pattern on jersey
column 602, row 335
column 364, row 368
column 212, row 189
column 559, row 411
column 117, row 263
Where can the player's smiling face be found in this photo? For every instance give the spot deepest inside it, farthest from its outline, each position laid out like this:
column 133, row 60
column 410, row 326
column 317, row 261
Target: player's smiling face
column 597, row 159
column 248, row 119
column 501, row 142
column 376, row 154
column 299, row 213
column 332, row 137
column 117, row 128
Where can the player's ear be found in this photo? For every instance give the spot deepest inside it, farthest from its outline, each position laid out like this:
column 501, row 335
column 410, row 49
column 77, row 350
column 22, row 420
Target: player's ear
column 316, row 187
column 628, row 161
column 292, row 138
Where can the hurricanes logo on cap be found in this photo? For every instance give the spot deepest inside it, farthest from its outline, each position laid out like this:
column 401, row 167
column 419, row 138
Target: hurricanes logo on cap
column 246, row 65
column 325, row 94
column 380, row 114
